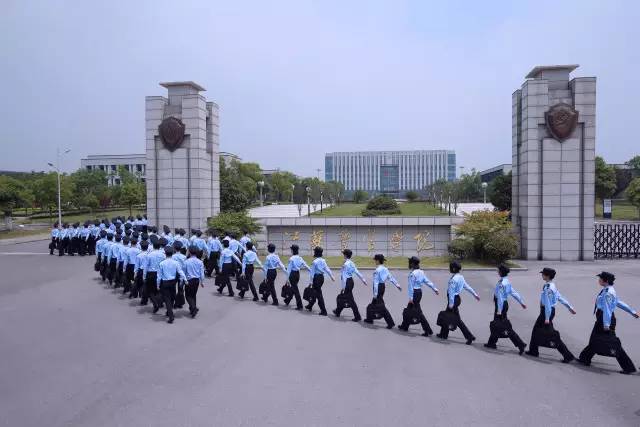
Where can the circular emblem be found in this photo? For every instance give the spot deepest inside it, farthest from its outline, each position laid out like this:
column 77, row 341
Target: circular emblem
column 171, row 132
column 561, row 120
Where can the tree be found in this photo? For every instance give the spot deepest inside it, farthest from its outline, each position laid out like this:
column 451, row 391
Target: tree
column 280, row 184
column 412, row 196
column 605, row 179
column 470, row 187
column 335, row 191
column 131, row 193
column 89, row 187
column 234, row 222
column 11, row 194
column 500, row 192
column 360, row 196
column 485, row 235
column 300, row 197
column 634, row 163
column 633, row 194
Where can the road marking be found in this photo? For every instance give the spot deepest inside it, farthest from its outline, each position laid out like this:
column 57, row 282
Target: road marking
column 24, row 253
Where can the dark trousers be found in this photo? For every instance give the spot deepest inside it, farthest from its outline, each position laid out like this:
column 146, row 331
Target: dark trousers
column 294, row 278
column 151, row 290
column 444, row 331
column 348, row 294
column 271, row 286
column 318, row 281
column 190, row 292
column 248, row 276
column 82, row 246
column 111, row 272
column 62, row 246
column 227, row 270
column 138, row 285
column 493, row 339
column 598, row 328
column 104, row 268
column 212, row 264
column 379, row 302
column 533, row 346
column 119, row 278
column 417, row 297
column 168, row 294
column 91, row 245
column 52, row 245
column 128, row 278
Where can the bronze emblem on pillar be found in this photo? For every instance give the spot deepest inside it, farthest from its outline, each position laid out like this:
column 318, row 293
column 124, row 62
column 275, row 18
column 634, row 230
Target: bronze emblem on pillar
column 561, row 120
column 171, row 132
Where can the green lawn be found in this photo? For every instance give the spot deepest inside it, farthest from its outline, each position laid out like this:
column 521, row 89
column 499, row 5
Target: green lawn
column 407, row 209
column 621, row 211
column 18, row 232
column 335, row 262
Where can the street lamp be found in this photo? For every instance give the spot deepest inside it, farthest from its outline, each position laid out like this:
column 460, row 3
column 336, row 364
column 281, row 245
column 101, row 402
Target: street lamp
column 57, row 168
column 261, row 184
column 308, row 202
column 321, row 200
column 293, row 190
column 484, row 189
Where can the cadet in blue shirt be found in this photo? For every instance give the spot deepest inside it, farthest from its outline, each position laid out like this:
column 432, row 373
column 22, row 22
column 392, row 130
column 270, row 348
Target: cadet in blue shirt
column 317, row 271
column 106, row 256
column 456, row 285
column 345, row 298
column 83, row 235
column 380, row 276
column 102, row 238
column 180, row 255
column 194, row 270
column 168, row 272
column 138, row 270
column 500, row 295
column 55, row 232
column 215, row 247
column 152, row 265
column 249, row 258
column 113, row 253
column 122, row 259
column 296, row 263
column 417, row 278
column 548, row 300
column 225, row 263
column 606, row 303
column 131, row 254
column 271, row 263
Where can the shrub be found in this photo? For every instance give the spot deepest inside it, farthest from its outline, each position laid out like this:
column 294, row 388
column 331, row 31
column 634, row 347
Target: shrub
column 234, row 222
column 381, row 205
column 485, row 235
column 412, row 196
column 360, row 196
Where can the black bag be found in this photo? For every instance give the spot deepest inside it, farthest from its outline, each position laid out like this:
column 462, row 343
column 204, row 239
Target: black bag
column 547, row 336
column 243, row 284
column 308, row 294
column 218, row 280
column 500, row 327
column 52, row 246
column 375, row 311
column 97, row 265
column 179, row 301
column 411, row 315
column 342, row 300
column 606, row 344
column 287, row 292
column 447, row 319
column 263, row 288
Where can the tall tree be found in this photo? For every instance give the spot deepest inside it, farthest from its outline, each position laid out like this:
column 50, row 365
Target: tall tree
column 500, row 192
column 605, row 179
column 633, row 194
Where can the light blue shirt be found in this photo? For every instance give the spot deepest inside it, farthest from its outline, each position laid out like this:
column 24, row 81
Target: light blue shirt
column 122, row 252
column 249, row 258
column 141, row 262
column 348, row 270
column 234, row 245
column 132, row 254
column 296, row 263
column 183, row 240
column 502, row 292
column 201, row 244
column 549, row 297
column 417, row 278
column 100, row 245
column 607, row 301
column 272, row 261
column 243, row 241
column 455, row 287
column 169, row 269
column 153, row 261
column 180, row 258
column 194, row 269
column 319, row 266
column 381, row 275
column 226, row 257
column 55, row 233
column 84, row 233
column 214, row 245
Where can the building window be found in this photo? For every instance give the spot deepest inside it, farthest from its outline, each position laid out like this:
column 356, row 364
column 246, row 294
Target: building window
column 101, row 167
column 113, row 168
column 139, row 168
column 117, row 181
column 89, row 168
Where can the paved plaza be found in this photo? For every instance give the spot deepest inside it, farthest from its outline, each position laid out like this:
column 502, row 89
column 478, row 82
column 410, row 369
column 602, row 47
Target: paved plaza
column 76, row 353
column 283, row 211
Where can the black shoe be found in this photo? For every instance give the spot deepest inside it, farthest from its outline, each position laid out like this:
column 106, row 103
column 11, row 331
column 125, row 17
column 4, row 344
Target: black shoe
column 298, row 308
column 275, row 303
column 255, row 298
column 356, row 319
column 369, row 321
column 170, row 321
column 323, row 313
column 441, row 337
column 335, row 313
column 231, row 295
column 219, row 290
column 521, row 349
column 403, row 328
column 241, row 296
column 626, row 372
column 390, row 326
column 491, row 346
column 156, row 308
column 568, row 359
column 584, row 362
column 309, row 308
column 470, row 340
column 427, row 334
column 528, row 353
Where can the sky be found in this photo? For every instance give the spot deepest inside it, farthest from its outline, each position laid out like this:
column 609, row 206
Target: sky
column 295, row 79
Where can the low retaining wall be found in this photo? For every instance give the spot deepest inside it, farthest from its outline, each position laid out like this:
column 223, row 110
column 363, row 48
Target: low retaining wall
column 392, row 236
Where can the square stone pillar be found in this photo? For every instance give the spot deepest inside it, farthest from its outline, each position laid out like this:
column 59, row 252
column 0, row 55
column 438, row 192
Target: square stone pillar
column 553, row 145
column 182, row 157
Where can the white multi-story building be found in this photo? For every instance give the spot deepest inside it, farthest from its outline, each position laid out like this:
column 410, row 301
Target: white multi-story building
column 134, row 163
column 390, row 172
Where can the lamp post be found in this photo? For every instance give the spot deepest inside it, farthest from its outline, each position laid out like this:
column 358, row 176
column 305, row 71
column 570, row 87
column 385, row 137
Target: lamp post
column 484, row 189
column 308, row 202
column 261, row 184
column 293, row 190
column 57, row 168
column 321, row 201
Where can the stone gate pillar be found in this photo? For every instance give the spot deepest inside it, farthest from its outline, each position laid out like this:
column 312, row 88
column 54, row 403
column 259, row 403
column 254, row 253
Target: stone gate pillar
column 553, row 146
column 183, row 182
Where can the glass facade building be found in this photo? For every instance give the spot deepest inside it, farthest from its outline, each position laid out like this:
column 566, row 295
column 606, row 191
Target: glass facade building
column 393, row 172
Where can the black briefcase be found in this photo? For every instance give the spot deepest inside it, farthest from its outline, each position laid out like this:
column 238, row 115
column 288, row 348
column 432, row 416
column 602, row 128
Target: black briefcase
column 179, row 301
column 243, row 284
column 308, row 294
column 287, row 292
column 500, row 327
column 342, row 300
column 262, row 289
column 411, row 315
column 375, row 311
column 606, row 344
column 447, row 319
column 218, row 280
column 547, row 336
column 97, row 265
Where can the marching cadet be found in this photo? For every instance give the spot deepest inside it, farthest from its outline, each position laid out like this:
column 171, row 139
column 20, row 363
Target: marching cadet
column 417, row 278
column 295, row 264
column 106, row 256
column 380, row 276
column 144, row 222
column 271, row 263
column 317, row 271
column 130, row 270
column 201, row 244
column 455, row 287
column 166, row 233
column 180, row 255
column 99, row 249
column 55, row 232
column 139, row 270
column 244, row 240
column 94, row 231
column 225, row 264
column 501, row 306
column 549, row 297
column 114, row 253
column 194, row 271
column 606, row 303
column 152, row 264
column 62, row 234
column 346, row 281
column 83, row 236
column 122, row 259
column 236, row 247
column 215, row 247
column 167, row 278
column 72, row 247
column 180, row 232
column 249, row 258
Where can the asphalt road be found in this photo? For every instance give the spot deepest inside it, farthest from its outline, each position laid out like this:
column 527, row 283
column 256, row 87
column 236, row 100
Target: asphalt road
column 75, row 353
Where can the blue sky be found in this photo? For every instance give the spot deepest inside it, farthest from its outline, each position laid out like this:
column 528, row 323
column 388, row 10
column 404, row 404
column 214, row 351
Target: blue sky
column 295, row 79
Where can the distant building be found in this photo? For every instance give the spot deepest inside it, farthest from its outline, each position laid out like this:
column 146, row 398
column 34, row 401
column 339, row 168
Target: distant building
column 390, row 172
column 489, row 174
column 134, row 163
column 228, row 157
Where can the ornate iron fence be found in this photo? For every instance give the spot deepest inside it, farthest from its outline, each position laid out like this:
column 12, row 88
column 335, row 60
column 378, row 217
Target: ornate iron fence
column 617, row 240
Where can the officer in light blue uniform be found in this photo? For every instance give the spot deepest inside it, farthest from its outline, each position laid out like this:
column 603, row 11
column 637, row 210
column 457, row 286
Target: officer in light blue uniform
column 194, row 270
column 139, row 269
column 606, row 303
column 455, row 287
column 154, row 258
column 244, row 240
column 83, row 236
column 102, row 239
column 55, row 233
column 549, row 297
column 416, row 280
column 131, row 253
column 317, row 271
column 271, row 264
column 225, row 264
column 347, row 272
column 106, row 256
column 249, row 258
column 380, row 276
column 296, row 263
column 215, row 247
column 168, row 271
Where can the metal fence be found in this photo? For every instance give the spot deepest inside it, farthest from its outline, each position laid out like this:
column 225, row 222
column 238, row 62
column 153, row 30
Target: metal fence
column 621, row 240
